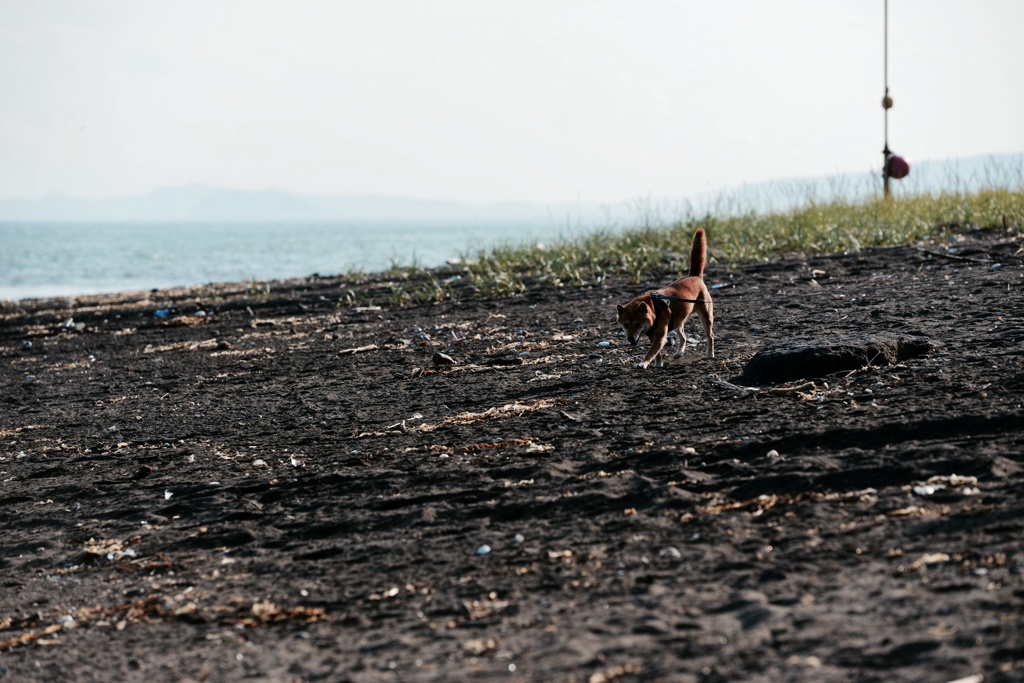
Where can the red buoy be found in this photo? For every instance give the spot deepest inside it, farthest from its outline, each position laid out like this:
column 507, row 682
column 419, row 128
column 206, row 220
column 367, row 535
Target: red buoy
column 898, row 167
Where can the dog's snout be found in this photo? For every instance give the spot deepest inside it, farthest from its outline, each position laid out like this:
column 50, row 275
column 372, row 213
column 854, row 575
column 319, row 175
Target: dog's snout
column 634, row 341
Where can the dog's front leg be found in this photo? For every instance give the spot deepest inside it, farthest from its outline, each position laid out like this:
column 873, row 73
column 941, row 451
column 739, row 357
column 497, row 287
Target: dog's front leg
column 659, row 335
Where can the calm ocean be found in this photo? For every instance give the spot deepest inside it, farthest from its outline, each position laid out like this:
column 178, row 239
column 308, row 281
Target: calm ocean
column 67, row 259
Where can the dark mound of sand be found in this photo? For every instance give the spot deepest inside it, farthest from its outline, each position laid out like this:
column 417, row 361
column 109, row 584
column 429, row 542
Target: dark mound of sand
column 786, row 361
column 274, row 488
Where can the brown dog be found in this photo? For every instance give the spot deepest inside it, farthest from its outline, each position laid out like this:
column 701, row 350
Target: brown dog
column 659, row 312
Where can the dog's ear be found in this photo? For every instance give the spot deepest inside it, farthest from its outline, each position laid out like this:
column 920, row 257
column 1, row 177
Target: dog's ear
column 620, row 309
column 659, row 305
column 642, row 306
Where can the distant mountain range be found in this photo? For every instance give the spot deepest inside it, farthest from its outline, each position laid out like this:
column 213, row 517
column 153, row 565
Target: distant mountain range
column 195, row 203
column 203, row 203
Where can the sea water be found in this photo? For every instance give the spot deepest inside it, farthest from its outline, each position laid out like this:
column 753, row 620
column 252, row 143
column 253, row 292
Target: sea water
column 68, row 259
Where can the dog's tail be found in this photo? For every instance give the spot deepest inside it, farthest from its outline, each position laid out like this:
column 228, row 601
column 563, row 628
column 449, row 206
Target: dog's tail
column 698, row 253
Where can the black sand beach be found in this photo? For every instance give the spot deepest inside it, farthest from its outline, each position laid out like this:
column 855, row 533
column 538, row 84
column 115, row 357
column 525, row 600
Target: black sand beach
column 282, row 489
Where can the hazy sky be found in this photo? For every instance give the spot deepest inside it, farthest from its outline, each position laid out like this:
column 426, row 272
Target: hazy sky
column 488, row 100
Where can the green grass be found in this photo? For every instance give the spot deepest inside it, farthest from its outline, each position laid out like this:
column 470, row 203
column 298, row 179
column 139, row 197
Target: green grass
column 638, row 254
column 817, row 227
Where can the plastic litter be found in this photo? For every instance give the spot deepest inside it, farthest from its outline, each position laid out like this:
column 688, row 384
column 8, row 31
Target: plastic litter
column 927, row 489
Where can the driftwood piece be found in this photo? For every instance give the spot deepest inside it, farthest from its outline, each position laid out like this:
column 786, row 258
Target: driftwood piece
column 358, row 349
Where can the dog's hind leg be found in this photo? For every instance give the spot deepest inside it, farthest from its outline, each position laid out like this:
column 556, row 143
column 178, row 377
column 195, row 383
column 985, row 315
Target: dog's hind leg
column 681, row 335
column 706, row 314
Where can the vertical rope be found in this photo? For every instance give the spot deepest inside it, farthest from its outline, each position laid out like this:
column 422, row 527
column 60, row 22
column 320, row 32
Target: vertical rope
column 886, row 103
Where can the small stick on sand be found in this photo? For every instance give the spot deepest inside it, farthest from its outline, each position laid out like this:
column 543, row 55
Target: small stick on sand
column 358, row 349
column 766, row 390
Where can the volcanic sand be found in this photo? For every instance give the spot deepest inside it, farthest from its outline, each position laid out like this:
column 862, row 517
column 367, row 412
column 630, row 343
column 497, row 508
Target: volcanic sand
column 267, row 486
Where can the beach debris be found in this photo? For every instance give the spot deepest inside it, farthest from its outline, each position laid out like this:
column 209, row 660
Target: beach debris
column 811, row 662
column 389, row 593
column 507, row 410
column 479, row 447
column 164, row 607
column 265, row 613
column 518, row 538
column 483, row 550
column 358, row 349
column 26, row 344
column 670, row 551
column 186, row 346
column 773, row 454
column 798, row 389
column 167, row 494
column 478, row 646
column 938, row 483
column 614, row 673
column 481, row 609
column 927, row 489
column 107, row 549
column 929, row 559
column 443, row 359
column 162, row 312
column 26, row 638
column 259, row 462
column 497, row 413
column 975, row 678
column 604, row 344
